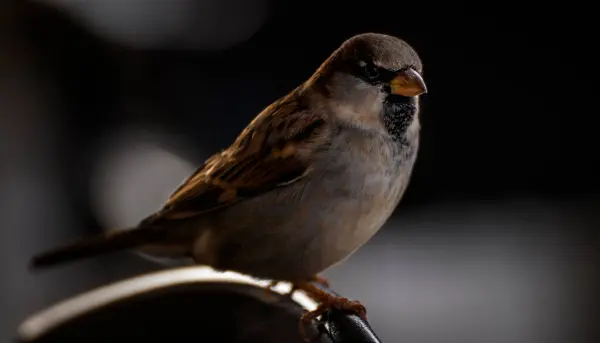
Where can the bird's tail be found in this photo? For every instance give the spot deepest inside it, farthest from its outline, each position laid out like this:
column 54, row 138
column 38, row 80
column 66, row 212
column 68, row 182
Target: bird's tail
column 107, row 242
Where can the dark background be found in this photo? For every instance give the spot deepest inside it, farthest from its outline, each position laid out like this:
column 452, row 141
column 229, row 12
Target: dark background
column 105, row 106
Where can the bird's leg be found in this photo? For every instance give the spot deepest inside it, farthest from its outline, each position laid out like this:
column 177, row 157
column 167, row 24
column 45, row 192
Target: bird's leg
column 327, row 301
column 330, row 301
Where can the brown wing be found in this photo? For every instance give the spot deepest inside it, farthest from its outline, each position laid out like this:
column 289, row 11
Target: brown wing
column 274, row 150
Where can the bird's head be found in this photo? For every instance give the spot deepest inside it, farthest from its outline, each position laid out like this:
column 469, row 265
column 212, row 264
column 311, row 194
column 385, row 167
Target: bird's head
column 373, row 81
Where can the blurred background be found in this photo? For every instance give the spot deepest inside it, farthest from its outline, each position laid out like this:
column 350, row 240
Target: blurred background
column 107, row 105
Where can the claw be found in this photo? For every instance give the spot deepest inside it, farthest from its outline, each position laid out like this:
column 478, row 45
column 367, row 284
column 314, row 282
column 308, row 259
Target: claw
column 328, row 301
column 307, row 318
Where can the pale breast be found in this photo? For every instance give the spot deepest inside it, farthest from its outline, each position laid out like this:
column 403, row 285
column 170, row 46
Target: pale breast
column 371, row 188
column 301, row 229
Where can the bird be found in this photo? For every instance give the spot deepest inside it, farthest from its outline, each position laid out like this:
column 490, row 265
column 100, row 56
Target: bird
column 308, row 182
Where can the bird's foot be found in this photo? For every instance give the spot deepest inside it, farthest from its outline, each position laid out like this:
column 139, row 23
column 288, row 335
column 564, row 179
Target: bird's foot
column 327, row 302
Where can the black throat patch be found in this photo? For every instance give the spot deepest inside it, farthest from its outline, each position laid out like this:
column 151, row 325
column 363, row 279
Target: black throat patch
column 398, row 114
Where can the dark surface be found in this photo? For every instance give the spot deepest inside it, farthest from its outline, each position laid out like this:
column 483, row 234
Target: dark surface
column 204, row 313
column 183, row 314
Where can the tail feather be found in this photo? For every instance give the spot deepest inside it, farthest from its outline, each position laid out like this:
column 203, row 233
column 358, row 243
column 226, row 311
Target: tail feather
column 89, row 247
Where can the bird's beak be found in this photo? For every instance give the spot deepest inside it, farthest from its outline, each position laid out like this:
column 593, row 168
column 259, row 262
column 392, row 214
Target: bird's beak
column 408, row 83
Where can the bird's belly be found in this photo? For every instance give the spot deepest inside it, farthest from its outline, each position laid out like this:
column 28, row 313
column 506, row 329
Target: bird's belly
column 354, row 218
column 310, row 225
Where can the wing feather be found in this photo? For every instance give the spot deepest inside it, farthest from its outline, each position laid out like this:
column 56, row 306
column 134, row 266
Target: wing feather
column 275, row 150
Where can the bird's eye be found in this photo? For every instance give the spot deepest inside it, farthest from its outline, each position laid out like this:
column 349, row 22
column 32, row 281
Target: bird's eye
column 371, row 72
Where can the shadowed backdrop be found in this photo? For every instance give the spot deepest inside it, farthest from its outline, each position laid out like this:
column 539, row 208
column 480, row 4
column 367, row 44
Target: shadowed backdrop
column 106, row 106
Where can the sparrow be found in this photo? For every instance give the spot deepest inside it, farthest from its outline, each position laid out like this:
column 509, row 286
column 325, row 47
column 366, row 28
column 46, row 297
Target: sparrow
column 309, row 181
